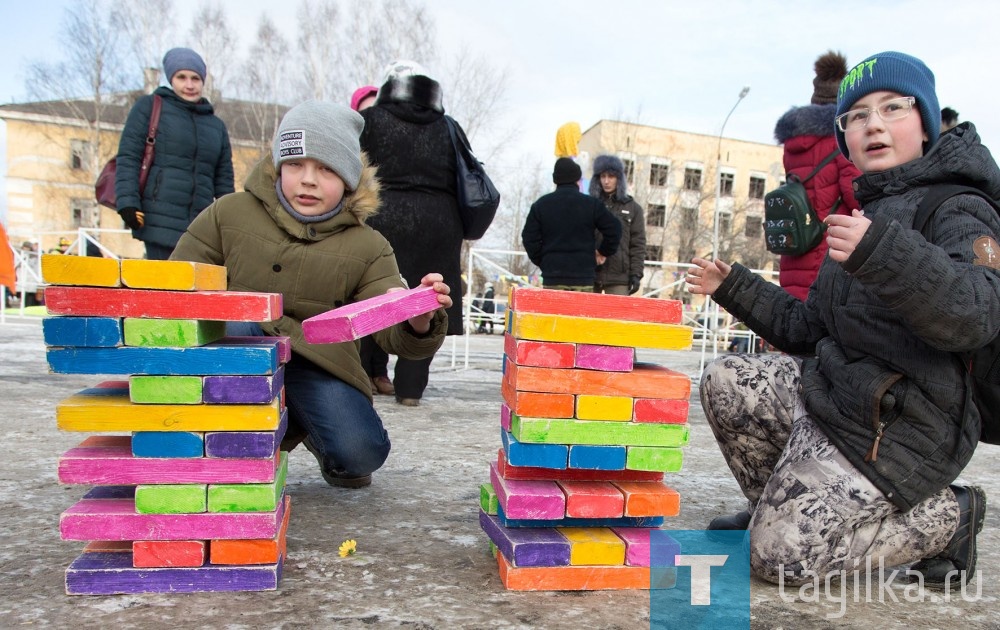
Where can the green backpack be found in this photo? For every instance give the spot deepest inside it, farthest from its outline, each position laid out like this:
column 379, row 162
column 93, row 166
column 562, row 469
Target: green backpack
column 791, row 226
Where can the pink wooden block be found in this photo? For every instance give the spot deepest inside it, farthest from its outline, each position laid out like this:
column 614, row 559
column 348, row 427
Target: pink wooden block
column 505, row 416
column 548, row 354
column 531, row 500
column 593, row 499
column 636, row 545
column 108, row 461
column 606, row 358
column 116, row 519
column 664, row 410
column 354, row 321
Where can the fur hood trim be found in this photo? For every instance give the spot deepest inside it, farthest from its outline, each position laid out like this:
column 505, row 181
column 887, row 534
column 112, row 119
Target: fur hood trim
column 417, row 89
column 603, row 164
column 810, row 120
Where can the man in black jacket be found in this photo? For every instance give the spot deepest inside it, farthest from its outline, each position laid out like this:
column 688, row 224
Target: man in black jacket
column 559, row 233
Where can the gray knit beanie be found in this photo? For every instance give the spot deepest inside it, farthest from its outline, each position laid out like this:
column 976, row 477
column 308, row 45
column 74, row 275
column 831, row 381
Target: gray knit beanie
column 892, row 72
column 326, row 132
column 178, row 59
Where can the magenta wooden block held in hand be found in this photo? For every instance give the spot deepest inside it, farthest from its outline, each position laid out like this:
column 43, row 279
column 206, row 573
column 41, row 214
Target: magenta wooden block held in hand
column 357, row 320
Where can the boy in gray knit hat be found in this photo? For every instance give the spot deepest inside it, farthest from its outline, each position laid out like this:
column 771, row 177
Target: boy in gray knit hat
column 299, row 230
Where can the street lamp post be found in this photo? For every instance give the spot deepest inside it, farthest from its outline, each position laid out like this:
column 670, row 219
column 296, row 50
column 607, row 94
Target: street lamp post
column 718, row 175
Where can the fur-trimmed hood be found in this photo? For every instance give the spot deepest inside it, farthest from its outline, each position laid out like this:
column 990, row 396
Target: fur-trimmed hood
column 809, row 120
column 613, row 164
column 416, row 90
column 358, row 205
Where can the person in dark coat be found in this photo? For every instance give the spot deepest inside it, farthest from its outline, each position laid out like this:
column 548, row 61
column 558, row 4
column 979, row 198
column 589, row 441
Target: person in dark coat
column 192, row 160
column 622, row 272
column 406, row 137
column 848, row 453
column 807, row 133
column 560, row 232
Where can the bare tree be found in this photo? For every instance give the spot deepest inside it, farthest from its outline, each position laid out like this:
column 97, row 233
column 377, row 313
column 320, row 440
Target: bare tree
column 215, row 41
column 146, row 33
column 320, row 52
column 379, row 32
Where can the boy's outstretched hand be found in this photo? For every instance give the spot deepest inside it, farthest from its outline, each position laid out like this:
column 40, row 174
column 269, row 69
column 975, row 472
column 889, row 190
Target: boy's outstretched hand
column 422, row 323
column 706, row 276
column 843, row 233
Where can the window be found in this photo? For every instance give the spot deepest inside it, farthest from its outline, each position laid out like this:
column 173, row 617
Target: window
column 79, row 154
column 726, row 184
column 725, row 223
column 83, row 213
column 656, row 215
column 629, row 171
column 654, row 252
column 753, row 227
column 692, row 179
column 658, row 174
column 690, row 216
column 78, row 213
column 757, row 185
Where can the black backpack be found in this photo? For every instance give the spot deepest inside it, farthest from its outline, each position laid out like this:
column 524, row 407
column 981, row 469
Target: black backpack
column 791, row 225
column 983, row 364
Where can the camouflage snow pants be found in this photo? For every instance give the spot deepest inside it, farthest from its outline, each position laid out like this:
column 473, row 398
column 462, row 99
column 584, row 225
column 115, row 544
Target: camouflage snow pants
column 813, row 511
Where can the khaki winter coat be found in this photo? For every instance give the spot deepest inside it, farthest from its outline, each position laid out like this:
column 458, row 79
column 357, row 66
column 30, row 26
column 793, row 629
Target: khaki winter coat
column 316, row 267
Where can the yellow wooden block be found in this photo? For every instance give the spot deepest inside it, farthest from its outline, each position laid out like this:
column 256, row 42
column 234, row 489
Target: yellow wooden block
column 594, row 546
column 97, row 411
column 91, row 271
column 173, row 275
column 606, row 332
column 618, row 408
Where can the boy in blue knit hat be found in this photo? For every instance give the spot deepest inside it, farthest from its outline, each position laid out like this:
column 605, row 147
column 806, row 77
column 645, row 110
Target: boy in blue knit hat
column 847, row 446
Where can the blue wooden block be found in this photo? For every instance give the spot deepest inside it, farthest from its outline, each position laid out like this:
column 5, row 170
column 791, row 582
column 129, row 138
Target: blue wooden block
column 213, row 359
column 168, row 444
column 592, row 457
column 537, row 455
column 623, row 521
column 84, row 332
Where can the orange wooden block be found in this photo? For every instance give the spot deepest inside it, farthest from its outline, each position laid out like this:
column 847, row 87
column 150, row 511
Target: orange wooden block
column 538, row 404
column 596, row 305
column 574, row 578
column 645, row 381
column 252, row 551
column 649, row 499
column 168, row 553
column 592, row 499
column 550, row 354
column 660, row 410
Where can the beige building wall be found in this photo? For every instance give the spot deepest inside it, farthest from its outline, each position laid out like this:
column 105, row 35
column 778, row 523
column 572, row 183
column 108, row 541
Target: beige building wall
column 679, row 209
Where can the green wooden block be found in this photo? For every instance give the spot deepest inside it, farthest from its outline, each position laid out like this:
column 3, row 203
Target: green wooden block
column 170, row 498
column 165, row 390
column 249, row 497
column 551, row 431
column 488, row 499
column 172, row 333
column 494, row 550
column 655, row 458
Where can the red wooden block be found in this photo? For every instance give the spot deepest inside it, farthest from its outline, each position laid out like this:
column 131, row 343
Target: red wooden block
column 231, row 306
column 572, row 474
column 538, row 404
column 168, row 553
column 354, row 321
column 660, row 410
column 548, row 354
column 593, row 499
column 596, row 305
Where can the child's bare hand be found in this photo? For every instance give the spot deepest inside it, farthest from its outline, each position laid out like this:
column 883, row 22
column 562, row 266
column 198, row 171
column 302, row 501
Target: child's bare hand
column 843, row 233
column 705, row 277
column 422, row 323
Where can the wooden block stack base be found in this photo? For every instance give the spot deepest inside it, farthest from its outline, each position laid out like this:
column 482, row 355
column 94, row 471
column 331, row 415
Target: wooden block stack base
column 581, row 578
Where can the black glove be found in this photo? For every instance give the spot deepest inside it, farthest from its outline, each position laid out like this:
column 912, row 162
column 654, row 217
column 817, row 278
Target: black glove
column 633, row 284
column 132, row 217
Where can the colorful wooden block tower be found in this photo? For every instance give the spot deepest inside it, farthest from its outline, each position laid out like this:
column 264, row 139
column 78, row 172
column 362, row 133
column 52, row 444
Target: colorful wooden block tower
column 191, row 496
column 587, row 436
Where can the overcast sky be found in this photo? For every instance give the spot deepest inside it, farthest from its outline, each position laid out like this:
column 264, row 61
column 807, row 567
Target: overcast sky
column 671, row 64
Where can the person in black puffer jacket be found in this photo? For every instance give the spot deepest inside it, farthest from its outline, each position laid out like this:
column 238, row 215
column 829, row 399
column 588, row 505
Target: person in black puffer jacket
column 847, row 451
column 192, row 160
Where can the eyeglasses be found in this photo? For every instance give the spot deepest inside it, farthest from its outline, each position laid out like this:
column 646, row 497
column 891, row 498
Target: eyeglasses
column 893, row 109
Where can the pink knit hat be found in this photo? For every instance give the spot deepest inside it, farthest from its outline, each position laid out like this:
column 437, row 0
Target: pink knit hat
column 361, row 94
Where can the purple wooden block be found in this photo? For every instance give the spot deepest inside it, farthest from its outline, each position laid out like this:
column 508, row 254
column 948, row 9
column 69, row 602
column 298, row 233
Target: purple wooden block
column 604, row 358
column 242, row 389
column 528, row 499
column 246, row 444
column 110, row 492
column 505, row 417
column 108, row 573
column 528, row 547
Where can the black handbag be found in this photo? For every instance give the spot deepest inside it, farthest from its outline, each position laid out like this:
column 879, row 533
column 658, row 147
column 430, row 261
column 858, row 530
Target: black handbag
column 478, row 198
